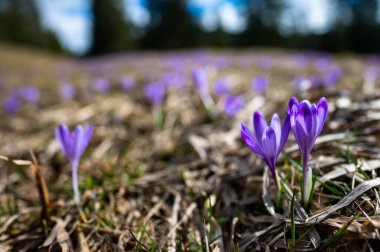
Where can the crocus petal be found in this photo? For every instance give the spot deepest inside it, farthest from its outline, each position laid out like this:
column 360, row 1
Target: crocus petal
column 284, row 133
column 276, row 125
column 293, row 113
column 305, row 117
column 78, row 143
column 86, row 139
column 247, row 135
column 322, row 108
column 302, row 140
column 61, row 140
column 300, row 118
column 251, row 141
column 201, row 81
column 259, row 124
column 292, row 101
column 314, row 116
column 269, row 146
column 88, row 135
column 65, row 138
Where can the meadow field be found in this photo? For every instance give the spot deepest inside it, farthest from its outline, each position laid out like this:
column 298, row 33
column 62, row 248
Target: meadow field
column 166, row 167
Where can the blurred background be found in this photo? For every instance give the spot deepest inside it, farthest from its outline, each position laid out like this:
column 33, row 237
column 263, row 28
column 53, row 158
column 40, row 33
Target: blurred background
column 92, row 27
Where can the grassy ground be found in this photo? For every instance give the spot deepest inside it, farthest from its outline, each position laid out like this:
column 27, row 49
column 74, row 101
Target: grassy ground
column 191, row 185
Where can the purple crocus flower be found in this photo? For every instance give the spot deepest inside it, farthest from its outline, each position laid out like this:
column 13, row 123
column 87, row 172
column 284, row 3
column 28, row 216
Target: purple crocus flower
column 67, row 91
column 332, row 77
column 101, row 85
column 29, row 94
column 268, row 140
column 201, row 83
column 371, row 73
column 222, row 87
column 233, row 104
column 307, row 122
column 302, row 83
column 155, row 92
column 128, row 82
column 73, row 144
column 260, row 84
column 12, row 104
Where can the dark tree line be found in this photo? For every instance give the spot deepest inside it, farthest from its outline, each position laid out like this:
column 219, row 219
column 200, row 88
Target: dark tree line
column 354, row 28
column 20, row 23
column 172, row 26
column 110, row 32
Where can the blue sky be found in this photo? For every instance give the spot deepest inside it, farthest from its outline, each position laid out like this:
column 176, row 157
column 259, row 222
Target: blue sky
column 71, row 19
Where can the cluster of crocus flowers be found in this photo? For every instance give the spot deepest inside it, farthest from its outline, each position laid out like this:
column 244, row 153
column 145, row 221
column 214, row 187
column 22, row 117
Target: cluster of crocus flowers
column 327, row 80
column 306, row 121
column 28, row 94
column 101, row 85
column 73, row 144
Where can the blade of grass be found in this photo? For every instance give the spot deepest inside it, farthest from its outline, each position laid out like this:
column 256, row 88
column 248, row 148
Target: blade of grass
column 334, row 240
column 315, row 177
column 306, row 233
column 293, row 162
column 331, row 189
column 211, row 214
column 281, row 197
column 139, row 244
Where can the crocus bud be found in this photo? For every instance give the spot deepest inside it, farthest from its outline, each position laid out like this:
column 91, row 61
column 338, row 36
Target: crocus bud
column 307, row 121
column 73, row 144
column 233, row 104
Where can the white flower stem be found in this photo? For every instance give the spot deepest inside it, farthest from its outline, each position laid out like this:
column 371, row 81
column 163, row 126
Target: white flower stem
column 277, row 181
column 278, row 184
column 307, row 183
column 75, row 182
column 209, row 105
column 157, row 116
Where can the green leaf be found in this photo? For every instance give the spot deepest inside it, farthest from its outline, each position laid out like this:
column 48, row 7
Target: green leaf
column 331, row 189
